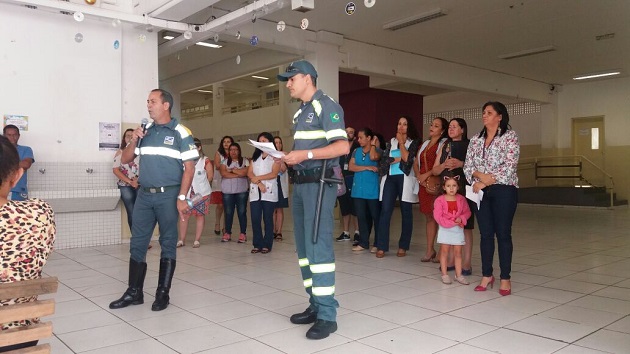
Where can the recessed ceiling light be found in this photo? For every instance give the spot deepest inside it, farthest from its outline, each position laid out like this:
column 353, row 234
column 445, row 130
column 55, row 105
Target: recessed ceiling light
column 597, row 75
column 205, row 91
column 260, row 77
column 210, row 45
column 168, row 37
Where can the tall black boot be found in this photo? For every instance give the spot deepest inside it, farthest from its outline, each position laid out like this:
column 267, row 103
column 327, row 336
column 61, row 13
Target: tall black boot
column 134, row 294
column 167, row 269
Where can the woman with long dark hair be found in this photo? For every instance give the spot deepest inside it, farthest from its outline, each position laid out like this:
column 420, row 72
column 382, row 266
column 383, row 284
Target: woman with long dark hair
column 234, row 187
column 216, row 197
column 263, row 195
column 490, row 166
column 127, row 174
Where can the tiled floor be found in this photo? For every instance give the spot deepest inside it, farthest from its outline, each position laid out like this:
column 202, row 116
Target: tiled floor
column 571, row 294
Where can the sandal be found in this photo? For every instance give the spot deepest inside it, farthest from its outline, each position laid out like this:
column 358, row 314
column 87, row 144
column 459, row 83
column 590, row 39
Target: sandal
column 180, row 243
column 401, row 252
column 254, row 250
column 429, row 259
column 380, row 254
column 265, row 251
column 278, row 237
column 196, row 244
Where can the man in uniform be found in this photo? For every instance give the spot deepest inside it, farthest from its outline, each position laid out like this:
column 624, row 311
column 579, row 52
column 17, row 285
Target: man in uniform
column 319, row 135
column 163, row 146
column 19, row 191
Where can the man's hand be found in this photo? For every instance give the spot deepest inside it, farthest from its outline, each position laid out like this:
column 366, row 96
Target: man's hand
column 295, row 157
column 182, row 207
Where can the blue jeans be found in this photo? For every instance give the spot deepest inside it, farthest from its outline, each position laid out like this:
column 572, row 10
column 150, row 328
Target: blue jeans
column 151, row 209
column 128, row 195
column 393, row 188
column 262, row 210
column 368, row 212
column 495, row 217
column 236, row 201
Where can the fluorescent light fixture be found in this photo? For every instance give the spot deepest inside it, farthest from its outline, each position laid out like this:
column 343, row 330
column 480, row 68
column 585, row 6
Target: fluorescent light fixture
column 415, row 19
column 260, row 77
column 205, row 91
column 528, row 52
column 597, row 75
column 168, row 37
column 210, row 45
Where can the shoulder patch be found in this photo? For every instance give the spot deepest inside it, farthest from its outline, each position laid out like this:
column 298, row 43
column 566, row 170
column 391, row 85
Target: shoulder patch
column 334, row 117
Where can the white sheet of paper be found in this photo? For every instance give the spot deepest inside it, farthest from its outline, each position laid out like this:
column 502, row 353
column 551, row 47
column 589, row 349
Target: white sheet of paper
column 475, row 197
column 269, row 148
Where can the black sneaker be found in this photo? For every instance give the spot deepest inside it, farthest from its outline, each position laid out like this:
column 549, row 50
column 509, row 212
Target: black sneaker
column 343, row 237
column 321, row 329
column 357, row 239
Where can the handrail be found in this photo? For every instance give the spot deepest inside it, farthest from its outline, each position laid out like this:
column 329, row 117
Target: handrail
column 536, row 159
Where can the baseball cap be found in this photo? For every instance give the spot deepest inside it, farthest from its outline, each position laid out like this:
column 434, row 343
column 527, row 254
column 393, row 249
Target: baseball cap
column 298, row 67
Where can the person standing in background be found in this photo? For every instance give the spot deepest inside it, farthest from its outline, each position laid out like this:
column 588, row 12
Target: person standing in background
column 166, row 145
column 199, row 195
column 216, row 197
column 127, row 177
column 319, row 135
column 20, row 190
column 346, row 206
column 283, row 193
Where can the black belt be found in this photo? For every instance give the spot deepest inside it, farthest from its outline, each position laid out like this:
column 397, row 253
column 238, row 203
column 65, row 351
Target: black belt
column 160, row 189
column 310, row 176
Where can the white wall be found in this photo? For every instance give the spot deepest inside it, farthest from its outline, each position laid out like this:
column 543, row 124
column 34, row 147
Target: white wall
column 66, row 88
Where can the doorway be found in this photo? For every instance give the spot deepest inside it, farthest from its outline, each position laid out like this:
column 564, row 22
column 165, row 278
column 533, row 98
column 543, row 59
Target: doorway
column 588, row 141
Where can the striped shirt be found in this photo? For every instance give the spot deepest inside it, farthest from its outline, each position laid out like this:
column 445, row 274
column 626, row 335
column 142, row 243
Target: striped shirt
column 162, row 151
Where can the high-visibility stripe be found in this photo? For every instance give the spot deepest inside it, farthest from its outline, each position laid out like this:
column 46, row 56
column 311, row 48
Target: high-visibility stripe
column 322, row 268
column 335, row 133
column 297, row 114
column 323, row 290
column 183, row 131
column 189, row 155
column 317, row 107
column 303, row 262
column 309, row 135
column 308, row 283
column 160, row 151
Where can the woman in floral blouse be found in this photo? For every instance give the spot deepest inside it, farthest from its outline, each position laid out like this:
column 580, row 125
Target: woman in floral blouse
column 490, row 166
column 127, row 177
column 27, row 233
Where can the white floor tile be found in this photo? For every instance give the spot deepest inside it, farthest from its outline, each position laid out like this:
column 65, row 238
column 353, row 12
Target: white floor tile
column 200, row 338
column 400, row 313
column 148, row 345
column 294, row 341
column 454, row 328
column 623, row 325
column 608, row 341
column 583, row 316
column 249, row 346
column 169, row 323
column 100, row 337
column 552, row 328
column 507, row 341
column 407, row 340
column 259, row 324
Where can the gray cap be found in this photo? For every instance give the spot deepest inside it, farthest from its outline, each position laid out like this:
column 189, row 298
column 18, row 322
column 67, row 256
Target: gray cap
column 298, row 67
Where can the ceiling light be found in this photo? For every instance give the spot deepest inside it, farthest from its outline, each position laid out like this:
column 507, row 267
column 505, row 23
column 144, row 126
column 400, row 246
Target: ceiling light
column 260, row 77
column 597, row 75
column 168, row 37
column 205, row 91
column 415, row 19
column 211, row 45
column 528, row 52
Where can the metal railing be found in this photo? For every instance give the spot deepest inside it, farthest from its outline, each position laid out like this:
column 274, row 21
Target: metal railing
column 241, row 107
column 575, row 164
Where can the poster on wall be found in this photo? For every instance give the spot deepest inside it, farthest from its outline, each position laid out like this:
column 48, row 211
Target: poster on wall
column 108, row 136
column 19, row 121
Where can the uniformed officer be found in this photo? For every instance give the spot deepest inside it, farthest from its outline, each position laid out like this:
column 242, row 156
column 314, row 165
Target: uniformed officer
column 164, row 146
column 319, row 135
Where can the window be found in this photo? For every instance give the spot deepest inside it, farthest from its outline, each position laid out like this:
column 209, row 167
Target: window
column 594, row 138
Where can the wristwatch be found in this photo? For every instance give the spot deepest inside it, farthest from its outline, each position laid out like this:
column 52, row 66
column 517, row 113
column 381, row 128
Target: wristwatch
column 181, row 197
column 309, row 155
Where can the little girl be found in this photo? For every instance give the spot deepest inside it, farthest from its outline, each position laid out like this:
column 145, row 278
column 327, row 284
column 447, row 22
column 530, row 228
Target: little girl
column 451, row 212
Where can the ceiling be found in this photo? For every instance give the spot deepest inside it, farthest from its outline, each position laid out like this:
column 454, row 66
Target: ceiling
column 472, row 33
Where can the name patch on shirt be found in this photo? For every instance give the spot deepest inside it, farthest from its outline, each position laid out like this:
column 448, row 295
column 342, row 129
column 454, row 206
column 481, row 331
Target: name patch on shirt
column 309, row 118
column 169, row 140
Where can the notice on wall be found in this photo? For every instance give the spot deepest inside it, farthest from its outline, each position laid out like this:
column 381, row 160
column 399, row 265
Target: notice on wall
column 108, row 136
column 19, row 121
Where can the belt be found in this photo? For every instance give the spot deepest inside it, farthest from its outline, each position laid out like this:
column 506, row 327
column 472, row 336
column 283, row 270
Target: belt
column 310, row 176
column 160, row 189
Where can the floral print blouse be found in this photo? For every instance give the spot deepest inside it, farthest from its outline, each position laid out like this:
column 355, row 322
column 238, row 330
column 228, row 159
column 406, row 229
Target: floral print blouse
column 27, row 233
column 128, row 169
column 499, row 159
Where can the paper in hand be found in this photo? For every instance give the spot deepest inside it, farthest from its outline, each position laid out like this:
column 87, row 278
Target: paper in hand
column 475, row 197
column 268, row 148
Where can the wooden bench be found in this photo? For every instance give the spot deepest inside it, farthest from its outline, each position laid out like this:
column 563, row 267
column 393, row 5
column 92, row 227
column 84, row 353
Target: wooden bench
column 16, row 312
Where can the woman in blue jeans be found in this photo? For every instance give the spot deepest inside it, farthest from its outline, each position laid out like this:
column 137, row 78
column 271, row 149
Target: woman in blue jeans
column 263, row 195
column 395, row 184
column 127, row 177
column 234, row 187
column 365, row 187
column 490, row 167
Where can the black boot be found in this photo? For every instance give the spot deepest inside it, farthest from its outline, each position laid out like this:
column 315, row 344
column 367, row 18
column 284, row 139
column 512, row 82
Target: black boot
column 134, row 294
column 167, row 269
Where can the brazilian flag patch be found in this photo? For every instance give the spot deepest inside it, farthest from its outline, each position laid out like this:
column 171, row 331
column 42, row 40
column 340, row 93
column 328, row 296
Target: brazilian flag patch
column 334, row 117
